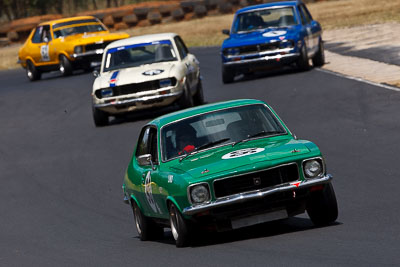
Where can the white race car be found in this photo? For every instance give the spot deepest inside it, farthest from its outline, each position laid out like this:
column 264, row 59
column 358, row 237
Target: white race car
column 143, row 72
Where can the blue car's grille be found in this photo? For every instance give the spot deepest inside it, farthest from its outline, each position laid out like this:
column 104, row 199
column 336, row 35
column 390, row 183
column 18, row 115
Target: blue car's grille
column 256, row 181
column 258, row 48
column 254, row 49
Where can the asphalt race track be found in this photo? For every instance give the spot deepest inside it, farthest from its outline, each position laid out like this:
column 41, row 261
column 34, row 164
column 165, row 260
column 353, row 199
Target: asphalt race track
column 60, row 177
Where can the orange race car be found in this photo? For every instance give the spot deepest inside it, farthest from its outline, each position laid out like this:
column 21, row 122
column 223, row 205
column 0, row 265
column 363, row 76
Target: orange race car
column 65, row 44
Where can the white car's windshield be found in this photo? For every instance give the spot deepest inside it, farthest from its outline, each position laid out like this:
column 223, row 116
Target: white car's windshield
column 264, row 18
column 230, row 125
column 139, row 54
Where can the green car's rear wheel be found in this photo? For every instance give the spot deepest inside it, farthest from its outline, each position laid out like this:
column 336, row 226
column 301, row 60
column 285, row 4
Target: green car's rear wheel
column 146, row 229
column 179, row 227
column 322, row 206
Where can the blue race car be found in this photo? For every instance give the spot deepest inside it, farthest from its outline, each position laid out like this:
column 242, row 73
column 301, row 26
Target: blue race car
column 279, row 33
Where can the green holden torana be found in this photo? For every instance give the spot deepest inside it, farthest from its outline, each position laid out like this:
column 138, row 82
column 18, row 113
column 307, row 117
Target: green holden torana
column 224, row 166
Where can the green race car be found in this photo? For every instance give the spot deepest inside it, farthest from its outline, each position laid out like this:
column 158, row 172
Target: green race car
column 224, row 166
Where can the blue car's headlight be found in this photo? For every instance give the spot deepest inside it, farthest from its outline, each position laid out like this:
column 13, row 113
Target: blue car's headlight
column 286, row 44
column 231, row 51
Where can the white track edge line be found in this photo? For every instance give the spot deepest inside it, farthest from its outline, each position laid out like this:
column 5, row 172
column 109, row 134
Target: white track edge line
column 393, row 88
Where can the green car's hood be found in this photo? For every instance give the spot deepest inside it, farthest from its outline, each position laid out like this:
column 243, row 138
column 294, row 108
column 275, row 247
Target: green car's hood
column 244, row 157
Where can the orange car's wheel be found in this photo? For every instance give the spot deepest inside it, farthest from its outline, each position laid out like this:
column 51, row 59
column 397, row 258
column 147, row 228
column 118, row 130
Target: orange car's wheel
column 65, row 66
column 32, row 72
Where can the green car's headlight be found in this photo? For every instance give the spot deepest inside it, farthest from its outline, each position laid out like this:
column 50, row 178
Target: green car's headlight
column 313, row 168
column 199, row 193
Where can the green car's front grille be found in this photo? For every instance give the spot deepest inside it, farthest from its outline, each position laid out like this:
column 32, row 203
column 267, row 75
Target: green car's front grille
column 255, row 181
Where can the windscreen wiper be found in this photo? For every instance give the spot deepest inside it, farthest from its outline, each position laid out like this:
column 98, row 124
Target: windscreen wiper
column 207, row 145
column 262, row 133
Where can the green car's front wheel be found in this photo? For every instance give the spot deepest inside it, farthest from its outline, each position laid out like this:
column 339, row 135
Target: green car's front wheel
column 179, row 227
column 322, row 206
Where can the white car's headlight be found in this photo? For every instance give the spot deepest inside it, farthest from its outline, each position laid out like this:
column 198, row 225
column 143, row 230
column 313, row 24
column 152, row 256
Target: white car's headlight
column 106, row 92
column 199, row 193
column 313, row 168
column 165, row 83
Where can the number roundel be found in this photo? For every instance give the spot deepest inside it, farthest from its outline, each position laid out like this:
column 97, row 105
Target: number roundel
column 242, row 153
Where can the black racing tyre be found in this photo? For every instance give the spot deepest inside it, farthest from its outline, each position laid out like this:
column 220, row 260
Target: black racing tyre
column 228, row 75
column 319, row 58
column 179, row 227
column 198, row 98
column 146, row 229
column 100, row 117
column 322, row 206
column 303, row 61
column 32, row 72
column 65, row 66
column 186, row 99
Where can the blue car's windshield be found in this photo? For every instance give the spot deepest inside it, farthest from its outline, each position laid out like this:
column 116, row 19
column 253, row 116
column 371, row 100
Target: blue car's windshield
column 139, row 54
column 264, row 18
column 218, row 128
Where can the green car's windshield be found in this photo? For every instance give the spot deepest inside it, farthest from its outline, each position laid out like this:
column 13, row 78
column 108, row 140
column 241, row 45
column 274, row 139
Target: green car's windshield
column 139, row 54
column 217, row 128
column 264, row 18
column 78, row 29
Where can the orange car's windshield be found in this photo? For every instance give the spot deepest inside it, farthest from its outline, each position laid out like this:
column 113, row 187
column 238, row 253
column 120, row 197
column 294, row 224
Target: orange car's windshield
column 78, row 29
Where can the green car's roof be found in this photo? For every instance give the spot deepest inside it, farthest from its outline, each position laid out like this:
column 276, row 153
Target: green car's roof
column 171, row 117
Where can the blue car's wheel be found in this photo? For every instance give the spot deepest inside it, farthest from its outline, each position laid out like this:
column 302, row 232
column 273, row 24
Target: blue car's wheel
column 303, row 61
column 228, row 74
column 319, row 57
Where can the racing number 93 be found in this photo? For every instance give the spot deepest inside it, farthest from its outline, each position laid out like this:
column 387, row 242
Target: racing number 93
column 149, row 193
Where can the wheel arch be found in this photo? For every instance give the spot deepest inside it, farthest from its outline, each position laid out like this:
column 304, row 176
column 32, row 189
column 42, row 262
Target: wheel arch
column 133, row 199
column 63, row 53
column 171, row 200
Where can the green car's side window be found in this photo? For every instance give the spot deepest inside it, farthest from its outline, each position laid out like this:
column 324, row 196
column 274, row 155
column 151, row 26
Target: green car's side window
column 148, row 143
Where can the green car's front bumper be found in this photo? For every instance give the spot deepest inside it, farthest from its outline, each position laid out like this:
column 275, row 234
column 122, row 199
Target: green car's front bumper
column 257, row 194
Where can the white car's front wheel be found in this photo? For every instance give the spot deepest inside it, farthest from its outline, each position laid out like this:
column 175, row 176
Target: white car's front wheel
column 100, row 117
column 186, row 99
column 199, row 96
